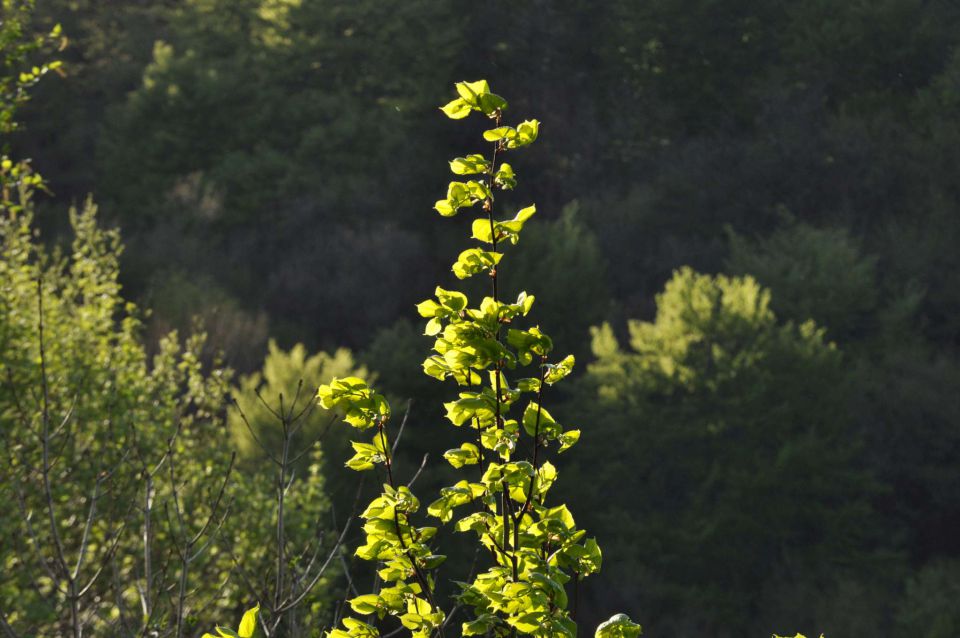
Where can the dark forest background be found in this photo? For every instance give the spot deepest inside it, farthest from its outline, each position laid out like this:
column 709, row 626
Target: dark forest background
column 749, row 236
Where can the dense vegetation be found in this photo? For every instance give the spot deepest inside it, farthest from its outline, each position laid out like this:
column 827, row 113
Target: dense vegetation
column 751, row 206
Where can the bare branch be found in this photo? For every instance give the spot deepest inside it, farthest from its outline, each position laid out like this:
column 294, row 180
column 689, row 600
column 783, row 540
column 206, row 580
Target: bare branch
column 403, row 424
column 35, row 541
column 423, row 464
column 346, row 573
column 296, row 397
column 81, row 554
column 320, row 437
column 258, row 595
column 216, row 502
column 308, row 407
column 106, row 558
column 253, row 433
column 213, row 536
column 333, row 552
column 276, row 414
column 45, row 444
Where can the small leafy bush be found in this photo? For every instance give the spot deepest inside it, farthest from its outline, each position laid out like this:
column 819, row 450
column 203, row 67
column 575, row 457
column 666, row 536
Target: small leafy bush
column 533, row 549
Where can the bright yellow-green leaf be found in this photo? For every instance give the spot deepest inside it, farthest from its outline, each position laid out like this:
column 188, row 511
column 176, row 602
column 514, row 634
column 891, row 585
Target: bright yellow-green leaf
column 558, row 371
column 456, row 110
column 474, row 261
column 367, row 454
column 529, row 344
column 536, row 420
column 470, row 165
column 619, row 626
column 433, row 327
column 478, row 96
column 490, row 103
column 365, row 604
column 482, row 230
column 500, row 133
column 428, row 308
column 445, row 208
column 562, row 514
column 471, row 91
column 249, row 622
column 568, row 439
column 466, row 454
column 505, row 177
column 526, row 133
column 504, row 230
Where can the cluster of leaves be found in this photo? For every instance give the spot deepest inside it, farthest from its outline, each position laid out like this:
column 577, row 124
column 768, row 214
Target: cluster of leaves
column 17, row 76
column 535, row 549
column 391, row 537
column 17, row 45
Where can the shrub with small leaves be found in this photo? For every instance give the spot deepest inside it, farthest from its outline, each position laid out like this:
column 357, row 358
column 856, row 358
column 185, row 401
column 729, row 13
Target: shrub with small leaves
column 503, row 370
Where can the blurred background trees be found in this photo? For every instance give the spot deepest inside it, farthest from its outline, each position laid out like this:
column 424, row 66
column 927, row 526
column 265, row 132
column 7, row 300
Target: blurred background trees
column 733, row 459
column 754, row 203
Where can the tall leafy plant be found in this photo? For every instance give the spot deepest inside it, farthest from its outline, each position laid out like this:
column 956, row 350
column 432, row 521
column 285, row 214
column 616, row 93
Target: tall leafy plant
column 535, row 554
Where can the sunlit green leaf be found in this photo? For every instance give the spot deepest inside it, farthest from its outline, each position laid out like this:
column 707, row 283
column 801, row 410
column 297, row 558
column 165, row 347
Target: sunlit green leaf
column 504, row 177
column 249, row 622
column 474, row 261
column 470, row 165
column 470, row 92
column 526, row 133
column 466, row 454
column 558, row 371
column 500, row 133
column 619, row 626
column 503, row 230
column 568, row 439
column 456, row 109
column 366, row 604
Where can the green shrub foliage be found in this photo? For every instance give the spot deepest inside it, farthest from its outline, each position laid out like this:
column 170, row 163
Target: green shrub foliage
column 76, row 375
column 116, row 487
column 124, row 514
column 533, row 550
